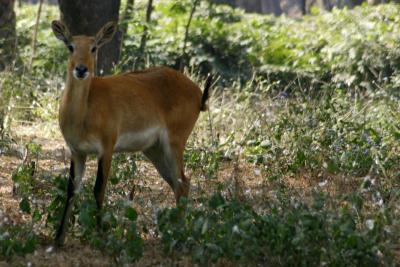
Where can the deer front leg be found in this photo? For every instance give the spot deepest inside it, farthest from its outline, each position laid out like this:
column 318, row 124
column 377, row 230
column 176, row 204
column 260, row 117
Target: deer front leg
column 76, row 173
column 103, row 170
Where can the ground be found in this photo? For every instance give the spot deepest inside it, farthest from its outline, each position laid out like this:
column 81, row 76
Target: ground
column 150, row 192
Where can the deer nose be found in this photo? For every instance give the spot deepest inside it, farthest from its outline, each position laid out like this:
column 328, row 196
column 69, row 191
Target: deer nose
column 81, row 71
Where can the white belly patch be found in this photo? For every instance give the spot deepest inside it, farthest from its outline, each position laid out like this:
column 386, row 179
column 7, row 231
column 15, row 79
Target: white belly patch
column 92, row 146
column 137, row 141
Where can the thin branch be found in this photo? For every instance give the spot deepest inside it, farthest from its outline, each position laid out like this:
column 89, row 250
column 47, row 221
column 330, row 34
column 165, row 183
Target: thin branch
column 183, row 56
column 34, row 38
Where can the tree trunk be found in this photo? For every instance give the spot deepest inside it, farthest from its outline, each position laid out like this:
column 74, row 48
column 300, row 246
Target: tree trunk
column 7, row 33
column 224, row 2
column 271, row 7
column 303, row 6
column 141, row 59
column 126, row 17
column 326, row 4
column 84, row 17
column 250, row 5
column 357, row 2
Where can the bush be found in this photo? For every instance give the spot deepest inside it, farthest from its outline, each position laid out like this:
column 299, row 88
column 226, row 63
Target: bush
column 290, row 232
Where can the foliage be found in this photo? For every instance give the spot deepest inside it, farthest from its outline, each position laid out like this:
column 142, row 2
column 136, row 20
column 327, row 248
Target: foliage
column 208, row 161
column 118, row 234
column 288, row 232
column 15, row 238
column 332, row 133
column 347, row 48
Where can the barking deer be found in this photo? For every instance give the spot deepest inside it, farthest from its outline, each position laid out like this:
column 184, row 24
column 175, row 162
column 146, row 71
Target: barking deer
column 153, row 111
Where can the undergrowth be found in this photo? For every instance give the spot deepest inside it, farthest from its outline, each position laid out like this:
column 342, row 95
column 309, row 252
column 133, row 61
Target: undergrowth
column 287, row 232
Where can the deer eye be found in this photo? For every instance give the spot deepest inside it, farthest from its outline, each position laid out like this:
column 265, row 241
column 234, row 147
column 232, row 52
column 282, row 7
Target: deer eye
column 70, row 48
column 94, row 49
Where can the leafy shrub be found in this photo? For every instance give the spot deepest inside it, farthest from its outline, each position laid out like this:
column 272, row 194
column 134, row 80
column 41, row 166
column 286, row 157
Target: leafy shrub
column 205, row 160
column 118, row 234
column 22, row 238
column 286, row 233
column 330, row 132
column 15, row 239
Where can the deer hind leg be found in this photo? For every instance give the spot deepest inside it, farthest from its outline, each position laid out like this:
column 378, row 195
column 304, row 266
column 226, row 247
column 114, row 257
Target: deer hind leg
column 162, row 155
column 76, row 173
column 185, row 182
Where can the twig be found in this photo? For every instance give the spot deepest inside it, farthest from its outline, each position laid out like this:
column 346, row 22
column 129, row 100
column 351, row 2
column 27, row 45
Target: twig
column 210, row 125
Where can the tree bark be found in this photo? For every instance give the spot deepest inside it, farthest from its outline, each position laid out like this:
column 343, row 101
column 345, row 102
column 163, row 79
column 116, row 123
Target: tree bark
column 84, row 17
column 271, row 7
column 126, row 17
column 250, row 5
column 303, row 6
column 224, row 2
column 326, row 4
column 7, row 33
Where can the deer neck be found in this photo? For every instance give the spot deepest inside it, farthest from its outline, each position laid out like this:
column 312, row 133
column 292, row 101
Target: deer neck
column 74, row 102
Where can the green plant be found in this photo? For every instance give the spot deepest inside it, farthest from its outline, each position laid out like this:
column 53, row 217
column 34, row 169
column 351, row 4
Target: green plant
column 22, row 239
column 118, row 234
column 206, row 160
column 287, row 233
column 15, row 239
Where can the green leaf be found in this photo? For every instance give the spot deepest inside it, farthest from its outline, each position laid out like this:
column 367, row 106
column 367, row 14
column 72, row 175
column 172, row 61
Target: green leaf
column 216, row 201
column 131, row 213
column 87, row 219
column 37, row 216
column 25, row 206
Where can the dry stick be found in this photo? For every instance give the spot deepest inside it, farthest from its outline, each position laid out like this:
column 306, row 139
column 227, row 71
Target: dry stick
column 183, row 57
column 211, row 128
column 141, row 58
column 210, row 121
column 35, row 34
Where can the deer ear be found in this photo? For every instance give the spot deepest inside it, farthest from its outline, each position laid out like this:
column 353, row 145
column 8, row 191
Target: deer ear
column 61, row 31
column 106, row 33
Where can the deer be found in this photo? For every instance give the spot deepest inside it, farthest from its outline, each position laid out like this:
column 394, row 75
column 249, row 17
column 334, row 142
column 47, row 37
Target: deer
column 151, row 111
